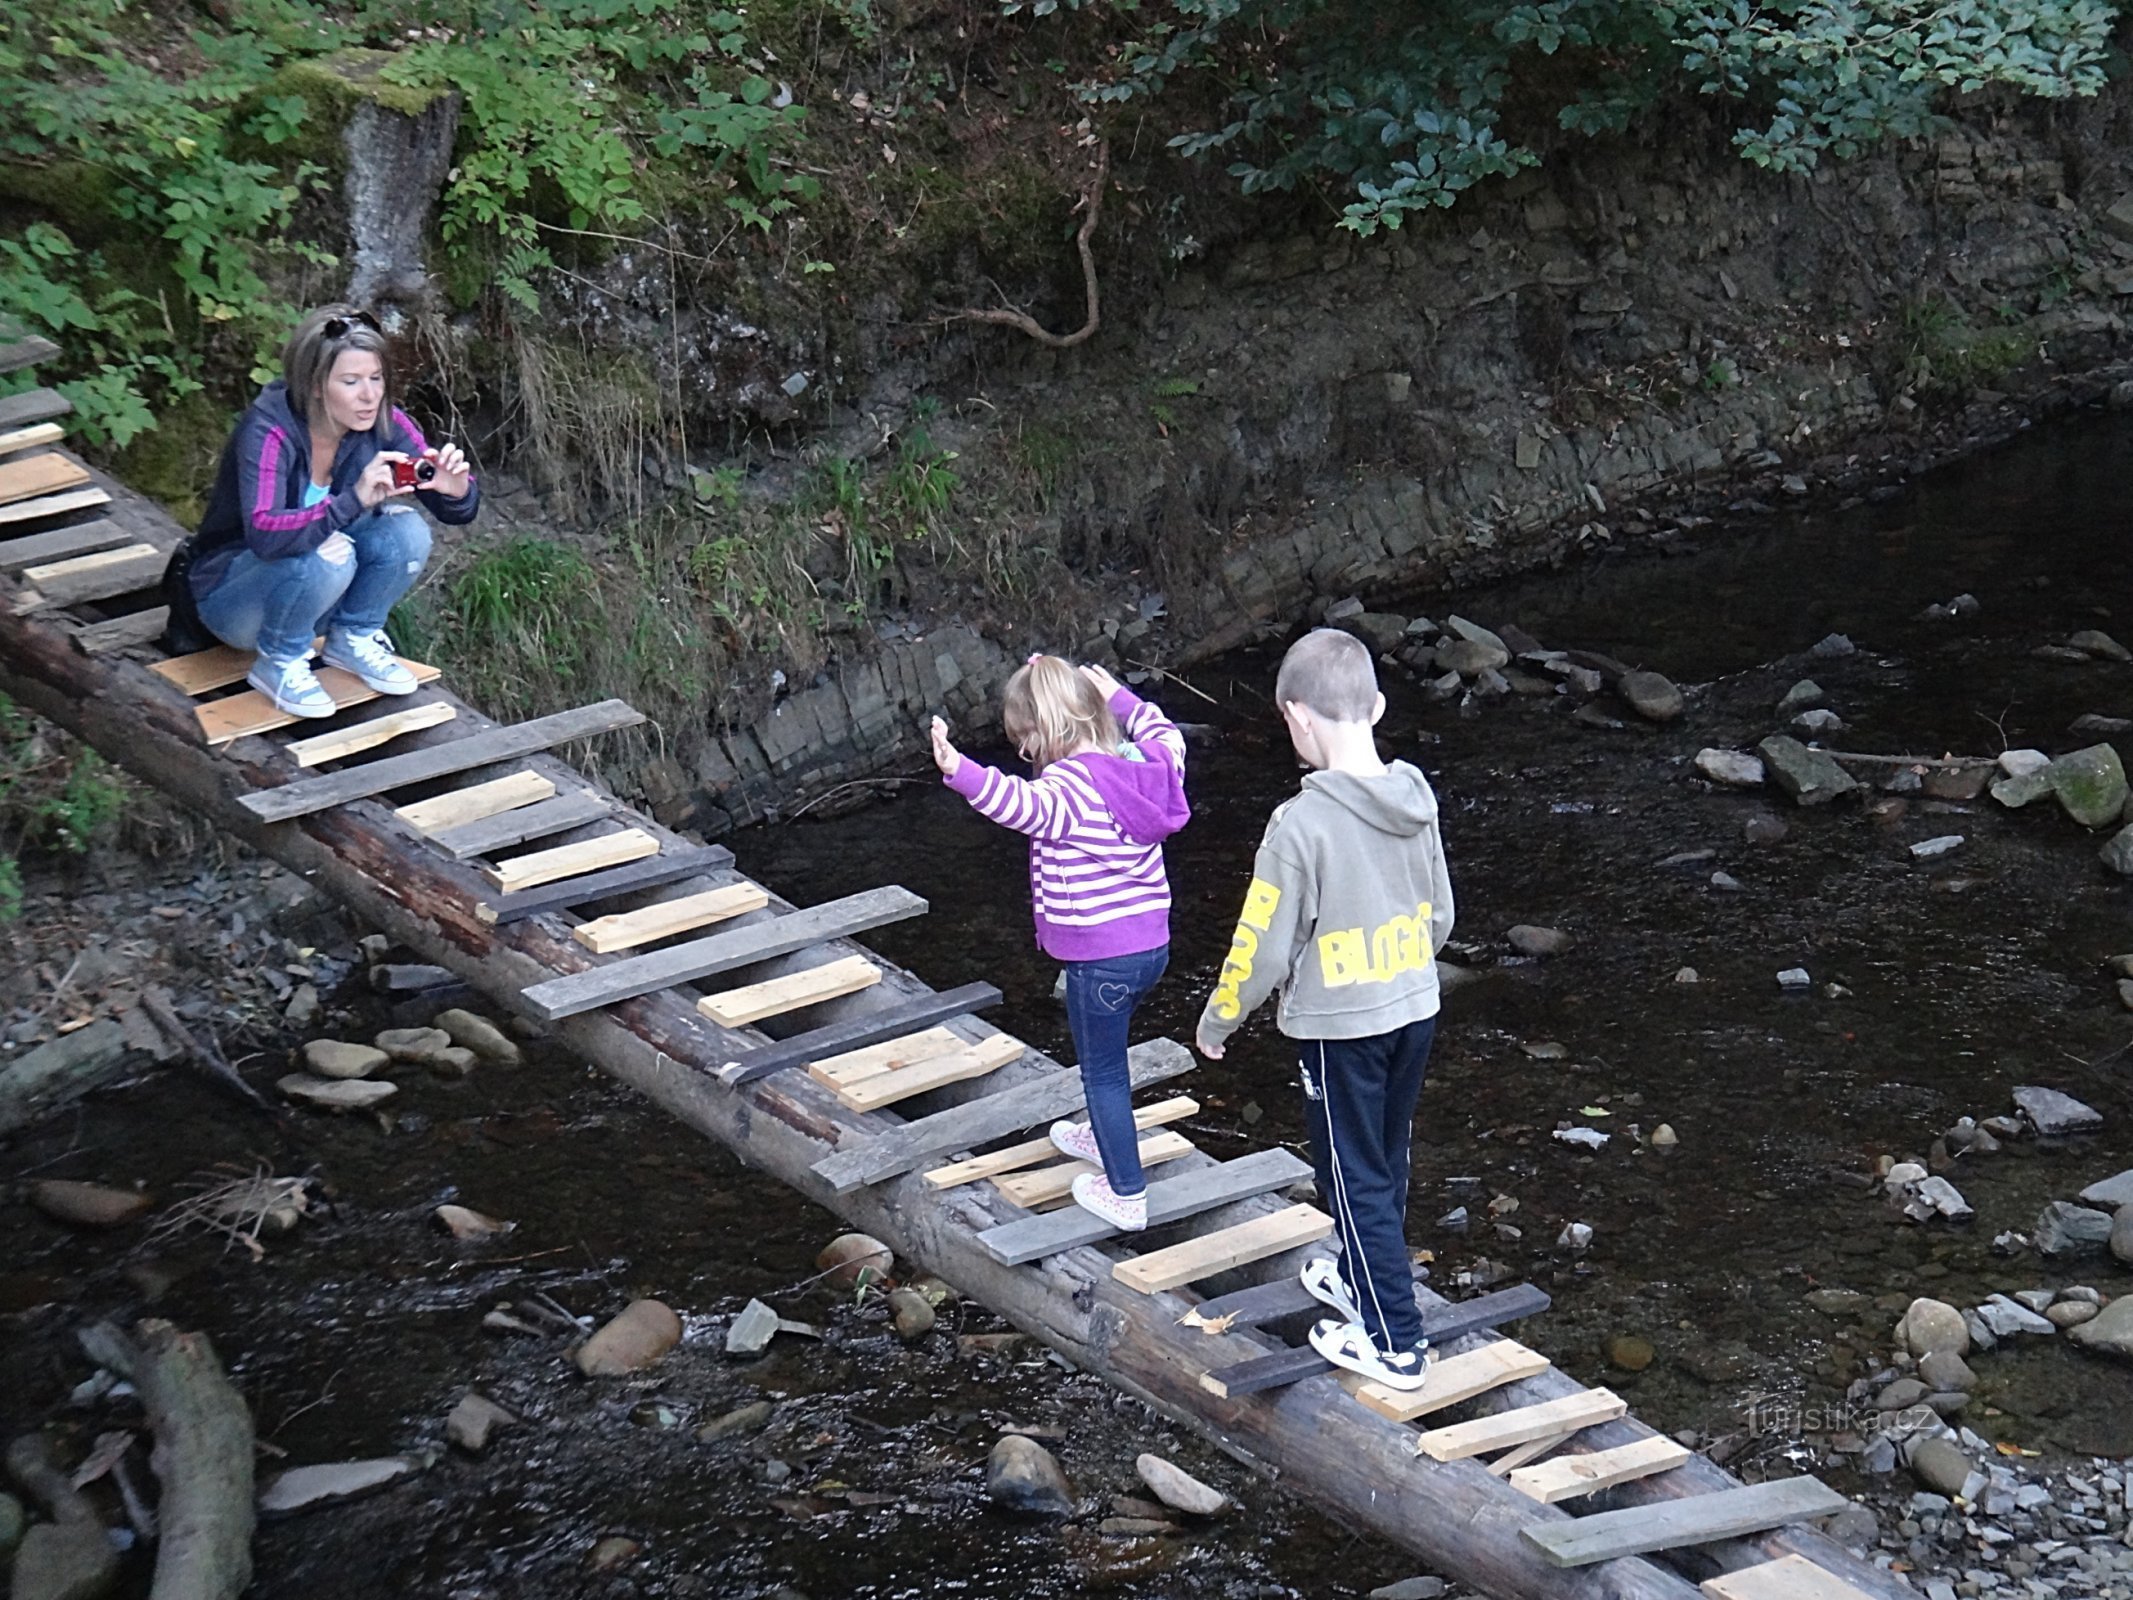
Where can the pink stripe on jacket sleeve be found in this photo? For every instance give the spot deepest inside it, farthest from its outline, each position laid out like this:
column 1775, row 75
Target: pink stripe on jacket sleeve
column 265, row 517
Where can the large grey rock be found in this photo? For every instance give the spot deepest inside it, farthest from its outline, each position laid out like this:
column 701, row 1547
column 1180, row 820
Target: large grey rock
column 331, row 1058
column 2110, row 1331
column 307, row 1488
column 1940, row 1466
column 1423, row 1587
column 1807, row 776
column 1380, row 630
column 1470, row 658
column 643, row 1332
column 2021, row 763
column 2111, row 1194
column 1945, row 1198
column 1799, row 697
column 2122, row 1236
column 1179, row 1489
column 1651, row 696
column 2095, row 642
column 1475, row 632
column 1528, row 940
column 2005, row 1317
column 2090, row 784
column 1931, row 1326
column 2118, row 221
column 2117, row 852
column 88, row 1205
column 479, row 1035
column 65, row 1561
column 2023, row 788
column 1945, row 1370
column 328, row 1094
column 2053, row 1114
column 1023, row 1476
column 1736, row 769
column 420, row 1046
column 2065, row 1229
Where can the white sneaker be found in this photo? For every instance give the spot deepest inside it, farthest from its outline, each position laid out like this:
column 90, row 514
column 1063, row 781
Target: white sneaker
column 1346, row 1345
column 1076, row 1139
column 1322, row 1281
column 292, row 686
column 370, row 657
column 1129, row 1213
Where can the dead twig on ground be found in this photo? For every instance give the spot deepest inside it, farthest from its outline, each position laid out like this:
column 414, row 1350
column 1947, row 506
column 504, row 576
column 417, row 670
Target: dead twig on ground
column 1905, row 761
column 202, row 1053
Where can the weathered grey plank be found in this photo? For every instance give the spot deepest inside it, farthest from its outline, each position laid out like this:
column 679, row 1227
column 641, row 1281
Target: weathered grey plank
column 35, row 549
column 26, row 352
column 855, row 1033
column 1669, row 1524
column 1267, row 1302
column 33, row 405
column 136, row 627
column 993, row 1116
column 307, row 795
column 721, row 952
column 508, row 828
column 649, row 873
column 1169, row 1200
column 1440, row 1325
column 104, row 582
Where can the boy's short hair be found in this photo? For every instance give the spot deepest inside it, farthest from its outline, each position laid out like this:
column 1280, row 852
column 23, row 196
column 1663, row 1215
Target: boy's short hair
column 1332, row 673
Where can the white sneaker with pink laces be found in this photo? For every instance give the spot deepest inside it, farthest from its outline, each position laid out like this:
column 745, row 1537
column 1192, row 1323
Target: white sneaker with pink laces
column 1076, row 1139
column 1129, row 1213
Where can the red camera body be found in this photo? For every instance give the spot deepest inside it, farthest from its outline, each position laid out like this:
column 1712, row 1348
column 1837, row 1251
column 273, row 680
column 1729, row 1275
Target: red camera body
column 413, row 474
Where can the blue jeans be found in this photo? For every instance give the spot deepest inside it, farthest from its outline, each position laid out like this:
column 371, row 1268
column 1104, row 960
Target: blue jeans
column 279, row 607
column 1100, row 997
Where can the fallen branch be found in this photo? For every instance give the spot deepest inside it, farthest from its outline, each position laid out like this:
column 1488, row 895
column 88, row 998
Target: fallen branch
column 203, row 1456
column 1906, row 761
column 202, row 1053
column 1091, row 206
column 61, row 1071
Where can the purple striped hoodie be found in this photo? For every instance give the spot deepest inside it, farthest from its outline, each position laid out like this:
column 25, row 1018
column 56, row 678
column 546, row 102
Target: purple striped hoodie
column 1096, row 824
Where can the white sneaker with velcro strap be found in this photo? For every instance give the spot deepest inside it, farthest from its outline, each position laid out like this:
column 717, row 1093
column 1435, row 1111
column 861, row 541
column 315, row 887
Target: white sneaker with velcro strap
column 1322, row 1281
column 1347, row 1346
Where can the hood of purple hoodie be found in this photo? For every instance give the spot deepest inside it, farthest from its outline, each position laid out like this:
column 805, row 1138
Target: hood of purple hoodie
column 1146, row 798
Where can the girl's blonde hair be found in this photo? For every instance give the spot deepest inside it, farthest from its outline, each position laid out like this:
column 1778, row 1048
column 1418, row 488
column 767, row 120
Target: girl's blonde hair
column 1050, row 709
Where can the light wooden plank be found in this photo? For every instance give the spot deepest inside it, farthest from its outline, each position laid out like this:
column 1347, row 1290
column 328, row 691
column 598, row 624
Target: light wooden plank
column 570, row 860
column 1567, row 1477
column 37, row 549
column 1047, row 1184
column 238, row 716
column 218, row 666
column 1287, row 1229
column 39, row 475
column 972, row 1061
column 1031, row 1151
column 344, row 742
column 1441, row 1323
column 627, row 929
column 1531, row 1450
column 476, row 801
column 47, row 574
column 556, row 998
column 33, row 405
column 1485, row 1435
column 306, row 795
column 53, row 505
column 1670, row 1524
column 873, row 1024
column 136, row 627
column 29, row 438
column 27, row 351
column 1452, row 1380
column 671, row 866
column 736, row 1008
column 515, row 827
column 1169, row 1200
column 102, row 576
column 891, row 1055
column 1792, row 1577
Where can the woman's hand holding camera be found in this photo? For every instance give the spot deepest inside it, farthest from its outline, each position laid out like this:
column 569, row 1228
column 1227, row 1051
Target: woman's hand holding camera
column 392, row 473
column 380, row 483
column 453, row 472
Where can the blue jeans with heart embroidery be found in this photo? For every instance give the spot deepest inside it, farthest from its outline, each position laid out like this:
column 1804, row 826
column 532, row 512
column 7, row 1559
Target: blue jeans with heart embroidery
column 1100, row 997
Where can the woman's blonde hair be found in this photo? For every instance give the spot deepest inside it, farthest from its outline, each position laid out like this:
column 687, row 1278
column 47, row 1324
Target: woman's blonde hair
column 320, row 340
column 1049, row 709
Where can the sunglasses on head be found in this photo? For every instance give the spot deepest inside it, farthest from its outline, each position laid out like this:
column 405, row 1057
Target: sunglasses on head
column 339, row 327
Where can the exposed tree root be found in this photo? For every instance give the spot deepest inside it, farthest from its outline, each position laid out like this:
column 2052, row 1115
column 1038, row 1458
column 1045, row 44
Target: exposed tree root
column 1091, row 207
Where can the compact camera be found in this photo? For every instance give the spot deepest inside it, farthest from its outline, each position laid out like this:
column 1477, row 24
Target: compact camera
column 413, row 474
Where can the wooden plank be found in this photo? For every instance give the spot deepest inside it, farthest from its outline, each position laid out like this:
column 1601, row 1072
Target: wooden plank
column 650, row 873
column 993, row 1116
column 1031, row 1151
column 1670, row 1524
column 1452, row 1380
column 1216, row 1252
column 972, row 1061
column 240, row 715
column 136, row 627
column 53, row 505
column 851, row 1033
column 31, row 437
column 306, row 795
column 721, row 952
column 1532, row 1450
column 891, row 1055
column 1567, row 1477
column 37, row 549
column 1440, row 1325
column 39, row 475
column 736, row 1008
column 103, row 576
column 1792, row 1577
column 33, row 405
column 476, row 801
column 27, row 351
column 1170, row 1200
column 521, row 823
column 571, row 860
column 344, row 742
column 1030, row 1190
column 1285, row 1296
column 625, row 930
column 1503, row 1429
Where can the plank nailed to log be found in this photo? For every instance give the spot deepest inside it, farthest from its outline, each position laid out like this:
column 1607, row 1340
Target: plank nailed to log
column 572, row 860
column 135, row 628
column 1452, row 1380
column 101, row 576
column 736, row 1008
column 625, row 930
column 1046, row 1185
column 1550, row 1419
column 28, row 351
column 39, row 475
column 476, row 802
column 1567, row 1477
column 17, row 439
column 33, row 405
column 1169, row 1200
column 39, row 549
column 52, row 505
column 306, row 795
column 1787, row 1578
column 672, row 866
column 1031, row 1151
column 240, row 715
column 988, row 1055
column 345, row 742
column 722, row 952
column 1440, row 1324
column 521, row 823
column 1669, row 1524
column 1223, row 1249
column 872, row 1027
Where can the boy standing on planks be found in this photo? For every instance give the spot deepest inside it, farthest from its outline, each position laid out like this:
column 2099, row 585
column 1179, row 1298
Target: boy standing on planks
column 1348, row 904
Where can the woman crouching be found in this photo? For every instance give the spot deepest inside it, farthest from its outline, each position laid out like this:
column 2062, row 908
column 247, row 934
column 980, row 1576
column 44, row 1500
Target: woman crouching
column 310, row 530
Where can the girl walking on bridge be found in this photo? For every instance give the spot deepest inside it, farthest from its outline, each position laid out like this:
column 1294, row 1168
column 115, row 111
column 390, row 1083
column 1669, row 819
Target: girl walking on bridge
column 1109, row 788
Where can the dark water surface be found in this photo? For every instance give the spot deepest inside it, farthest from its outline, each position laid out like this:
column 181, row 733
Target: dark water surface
column 1966, row 977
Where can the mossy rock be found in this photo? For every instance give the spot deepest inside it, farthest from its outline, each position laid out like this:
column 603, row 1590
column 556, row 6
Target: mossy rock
column 2091, row 784
column 174, row 462
column 332, row 87
column 81, row 198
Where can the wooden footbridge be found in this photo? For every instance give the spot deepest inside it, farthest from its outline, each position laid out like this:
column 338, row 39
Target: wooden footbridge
column 767, row 1028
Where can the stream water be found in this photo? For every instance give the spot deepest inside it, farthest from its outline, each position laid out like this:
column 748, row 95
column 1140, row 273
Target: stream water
column 1959, row 979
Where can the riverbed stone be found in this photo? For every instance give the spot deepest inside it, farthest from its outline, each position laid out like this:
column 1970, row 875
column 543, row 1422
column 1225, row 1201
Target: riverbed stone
column 1901, row 1395
column 1179, row 1489
column 750, row 1418
column 2122, row 1236
column 1380, row 630
column 1469, row 658
column 2065, row 1314
column 2117, row 852
column 463, row 1222
column 333, row 1058
column 1735, row 769
column 14, row 1523
column 1945, row 1370
column 1423, row 1587
column 2021, row 763
column 2054, row 1114
column 308, row 1488
column 479, row 1035
column 2090, row 784
column 88, row 1205
column 1800, row 697
column 1631, row 1352
column 2006, row 1317
column 911, row 1314
column 1024, row 1476
column 1930, row 1325
column 1940, row 1465
column 2109, row 1332
column 2095, row 642
column 852, row 1259
column 643, row 1332
column 473, row 1420
column 330, row 1094
column 65, row 1561
column 420, row 1047
column 1806, row 776
column 1652, row 696
column 2065, row 1229
column 2110, row 1194
column 1529, row 940
column 1838, row 1302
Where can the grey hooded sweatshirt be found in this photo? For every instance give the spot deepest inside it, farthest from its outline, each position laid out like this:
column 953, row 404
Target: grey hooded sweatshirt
column 1349, row 903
